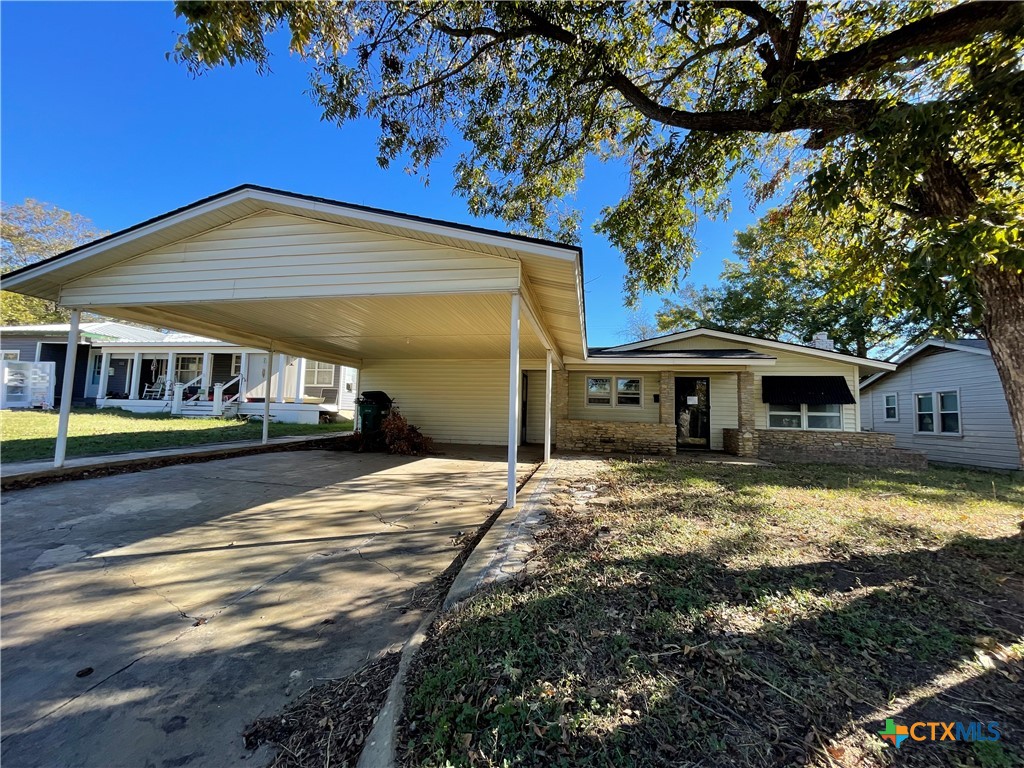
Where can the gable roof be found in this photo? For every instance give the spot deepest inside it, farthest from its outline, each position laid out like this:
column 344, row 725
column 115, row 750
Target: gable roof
column 973, row 346
column 863, row 362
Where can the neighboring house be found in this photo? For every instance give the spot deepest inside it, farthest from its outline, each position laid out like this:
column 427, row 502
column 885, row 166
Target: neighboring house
column 479, row 335
column 945, row 399
column 126, row 366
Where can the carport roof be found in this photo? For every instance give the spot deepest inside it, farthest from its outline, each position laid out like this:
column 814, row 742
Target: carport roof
column 251, row 309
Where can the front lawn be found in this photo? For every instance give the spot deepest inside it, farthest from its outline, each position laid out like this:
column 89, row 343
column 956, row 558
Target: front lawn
column 27, row 435
column 695, row 614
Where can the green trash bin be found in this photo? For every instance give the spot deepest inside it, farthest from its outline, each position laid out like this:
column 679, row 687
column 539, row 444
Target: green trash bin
column 374, row 406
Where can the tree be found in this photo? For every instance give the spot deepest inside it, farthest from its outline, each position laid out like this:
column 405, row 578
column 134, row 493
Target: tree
column 793, row 280
column 31, row 232
column 908, row 114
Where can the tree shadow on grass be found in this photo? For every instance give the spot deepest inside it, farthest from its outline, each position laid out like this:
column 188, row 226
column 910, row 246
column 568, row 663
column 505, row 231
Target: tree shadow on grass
column 675, row 659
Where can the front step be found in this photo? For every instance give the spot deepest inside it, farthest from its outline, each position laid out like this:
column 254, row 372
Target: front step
column 204, row 410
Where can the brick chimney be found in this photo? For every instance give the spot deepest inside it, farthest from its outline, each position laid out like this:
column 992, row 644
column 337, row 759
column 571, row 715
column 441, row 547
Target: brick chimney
column 821, row 340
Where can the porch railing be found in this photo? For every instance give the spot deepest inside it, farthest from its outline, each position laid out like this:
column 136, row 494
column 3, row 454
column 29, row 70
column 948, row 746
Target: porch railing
column 192, row 383
column 241, row 387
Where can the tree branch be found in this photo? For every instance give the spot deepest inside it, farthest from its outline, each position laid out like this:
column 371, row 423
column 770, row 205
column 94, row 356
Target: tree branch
column 957, row 26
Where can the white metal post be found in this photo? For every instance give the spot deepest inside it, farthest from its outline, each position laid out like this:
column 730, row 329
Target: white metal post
column 67, row 390
column 243, row 371
column 204, row 382
column 300, row 379
column 282, row 363
column 266, row 391
column 513, row 401
column 104, row 376
column 133, row 388
column 547, row 409
column 170, row 378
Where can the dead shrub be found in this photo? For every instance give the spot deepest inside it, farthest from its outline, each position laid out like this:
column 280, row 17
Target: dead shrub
column 403, row 438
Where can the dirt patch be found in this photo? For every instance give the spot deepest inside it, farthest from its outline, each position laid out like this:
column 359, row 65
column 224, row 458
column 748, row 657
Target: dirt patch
column 329, row 723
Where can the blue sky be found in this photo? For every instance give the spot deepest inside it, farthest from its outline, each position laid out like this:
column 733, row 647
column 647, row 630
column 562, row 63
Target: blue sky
column 95, row 119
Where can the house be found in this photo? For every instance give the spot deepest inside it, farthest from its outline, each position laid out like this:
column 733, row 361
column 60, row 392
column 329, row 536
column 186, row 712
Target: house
column 946, row 400
column 126, row 366
column 480, row 336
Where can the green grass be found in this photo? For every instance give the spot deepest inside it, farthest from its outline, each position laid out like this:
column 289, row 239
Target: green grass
column 739, row 616
column 28, row 435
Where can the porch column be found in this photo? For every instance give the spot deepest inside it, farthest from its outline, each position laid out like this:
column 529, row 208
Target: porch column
column 243, row 371
column 204, row 382
column 513, row 402
column 133, row 389
column 169, row 386
column 746, row 442
column 300, row 379
column 67, row 390
column 282, row 362
column 101, row 394
column 266, row 393
column 547, row 409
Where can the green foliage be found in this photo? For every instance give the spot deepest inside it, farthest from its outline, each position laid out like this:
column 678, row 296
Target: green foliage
column 795, row 278
column 31, row 232
column 909, row 112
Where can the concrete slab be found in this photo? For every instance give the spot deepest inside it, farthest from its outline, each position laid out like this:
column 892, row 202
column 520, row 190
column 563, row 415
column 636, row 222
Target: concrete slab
column 203, row 596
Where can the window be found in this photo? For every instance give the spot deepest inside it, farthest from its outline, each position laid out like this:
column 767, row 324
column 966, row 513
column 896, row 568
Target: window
column 925, row 413
column 629, row 392
column 236, row 365
column 97, row 368
column 825, row 416
column 938, row 413
column 187, row 368
column 12, row 354
column 790, row 416
column 599, row 391
column 319, row 374
column 783, row 416
column 892, row 407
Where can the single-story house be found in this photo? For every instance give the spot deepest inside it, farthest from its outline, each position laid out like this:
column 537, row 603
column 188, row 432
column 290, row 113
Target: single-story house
column 480, row 336
column 126, row 366
column 945, row 399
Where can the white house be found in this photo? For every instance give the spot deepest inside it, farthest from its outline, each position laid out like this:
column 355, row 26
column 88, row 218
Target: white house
column 135, row 368
column 479, row 335
column 946, row 400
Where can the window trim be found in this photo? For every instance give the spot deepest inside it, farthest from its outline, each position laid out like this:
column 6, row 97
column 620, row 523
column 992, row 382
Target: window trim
column 236, row 363
column 613, row 395
column 896, row 406
column 803, row 418
column 937, row 412
column 313, row 366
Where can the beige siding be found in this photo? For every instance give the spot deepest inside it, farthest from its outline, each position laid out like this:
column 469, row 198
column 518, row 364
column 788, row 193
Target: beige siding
column 274, row 255
column 787, row 364
column 457, row 401
column 648, row 413
column 724, row 407
column 535, row 408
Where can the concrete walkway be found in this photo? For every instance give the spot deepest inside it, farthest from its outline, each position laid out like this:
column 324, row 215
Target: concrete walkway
column 149, row 617
column 21, row 471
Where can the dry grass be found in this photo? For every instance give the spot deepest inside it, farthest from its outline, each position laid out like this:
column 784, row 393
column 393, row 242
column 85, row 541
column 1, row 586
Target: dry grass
column 725, row 616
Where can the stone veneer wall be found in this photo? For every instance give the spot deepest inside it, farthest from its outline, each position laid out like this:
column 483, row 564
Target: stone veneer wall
column 616, row 437
column 871, row 449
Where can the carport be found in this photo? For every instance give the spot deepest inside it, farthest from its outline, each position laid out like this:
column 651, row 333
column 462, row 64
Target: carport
column 390, row 294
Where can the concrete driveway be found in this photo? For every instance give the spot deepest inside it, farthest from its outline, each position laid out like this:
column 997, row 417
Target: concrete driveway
column 204, row 596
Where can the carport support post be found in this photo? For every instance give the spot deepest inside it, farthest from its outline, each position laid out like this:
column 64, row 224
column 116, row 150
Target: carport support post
column 266, row 393
column 513, row 401
column 104, row 376
column 66, row 390
column 547, row 409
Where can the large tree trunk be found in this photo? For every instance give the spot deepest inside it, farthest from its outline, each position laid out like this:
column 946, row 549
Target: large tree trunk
column 1002, row 292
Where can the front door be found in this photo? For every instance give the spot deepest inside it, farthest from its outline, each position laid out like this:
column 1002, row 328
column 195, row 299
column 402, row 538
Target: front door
column 693, row 413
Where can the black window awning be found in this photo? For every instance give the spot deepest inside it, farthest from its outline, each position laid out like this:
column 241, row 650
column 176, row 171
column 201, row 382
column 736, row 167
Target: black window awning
column 806, row 390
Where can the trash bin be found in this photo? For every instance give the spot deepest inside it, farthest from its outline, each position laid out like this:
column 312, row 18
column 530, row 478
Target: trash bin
column 374, row 406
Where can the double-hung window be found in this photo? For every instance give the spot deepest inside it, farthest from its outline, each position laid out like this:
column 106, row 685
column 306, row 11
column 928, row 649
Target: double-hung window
column 628, row 392
column 891, row 405
column 187, row 368
column 599, row 390
column 319, row 374
column 938, row 413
